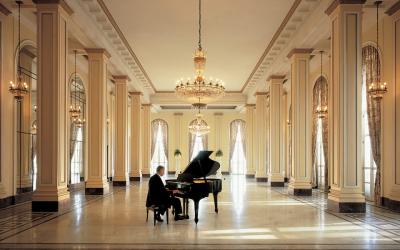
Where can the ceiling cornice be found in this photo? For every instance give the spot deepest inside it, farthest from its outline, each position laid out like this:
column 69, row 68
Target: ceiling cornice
column 272, row 42
column 393, row 9
column 125, row 42
column 4, row 10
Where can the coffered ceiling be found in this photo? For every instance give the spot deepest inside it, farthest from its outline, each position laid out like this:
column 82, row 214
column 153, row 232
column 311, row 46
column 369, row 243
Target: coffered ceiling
column 163, row 35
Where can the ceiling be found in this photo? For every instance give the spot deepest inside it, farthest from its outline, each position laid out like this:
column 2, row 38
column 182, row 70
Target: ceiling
column 163, row 35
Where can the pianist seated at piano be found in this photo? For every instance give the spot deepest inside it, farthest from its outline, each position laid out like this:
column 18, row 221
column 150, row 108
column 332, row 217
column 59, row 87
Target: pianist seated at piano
column 161, row 197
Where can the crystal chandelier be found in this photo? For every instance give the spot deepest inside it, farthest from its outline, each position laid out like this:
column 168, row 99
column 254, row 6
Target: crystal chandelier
column 322, row 110
column 377, row 89
column 20, row 88
column 74, row 109
column 199, row 127
column 200, row 88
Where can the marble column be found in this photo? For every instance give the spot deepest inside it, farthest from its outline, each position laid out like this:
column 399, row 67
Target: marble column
column 121, row 140
column 146, row 141
column 345, row 160
column 300, row 181
column 52, row 36
column 97, row 177
column 261, row 132
column 136, row 147
column 250, row 138
column 276, row 139
column 178, row 143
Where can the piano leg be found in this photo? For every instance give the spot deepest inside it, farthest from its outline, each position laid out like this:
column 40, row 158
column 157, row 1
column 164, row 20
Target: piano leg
column 196, row 211
column 186, row 207
column 215, row 202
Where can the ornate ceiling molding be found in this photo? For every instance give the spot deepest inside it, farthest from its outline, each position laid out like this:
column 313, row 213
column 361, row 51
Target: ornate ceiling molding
column 294, row 18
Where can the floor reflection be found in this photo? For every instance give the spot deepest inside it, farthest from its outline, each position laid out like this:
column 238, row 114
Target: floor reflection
column 238, row 192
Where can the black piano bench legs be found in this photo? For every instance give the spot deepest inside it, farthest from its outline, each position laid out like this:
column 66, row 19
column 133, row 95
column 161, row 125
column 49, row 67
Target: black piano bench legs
column 155, row 211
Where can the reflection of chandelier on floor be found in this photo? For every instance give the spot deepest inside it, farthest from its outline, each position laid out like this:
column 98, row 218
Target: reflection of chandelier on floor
column 200, row 88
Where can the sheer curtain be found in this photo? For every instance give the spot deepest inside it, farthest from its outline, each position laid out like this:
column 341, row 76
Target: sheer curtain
column 237, row 154
column 154, row 129
column 196, row 140
column 159, row 144
column 371, row 73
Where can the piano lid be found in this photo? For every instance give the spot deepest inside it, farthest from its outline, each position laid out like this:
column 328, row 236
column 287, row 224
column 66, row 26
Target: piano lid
column 208, row 167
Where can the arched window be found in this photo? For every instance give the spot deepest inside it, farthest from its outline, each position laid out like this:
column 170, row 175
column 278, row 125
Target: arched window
column 197, row 143
column 370, row 124
column 159, row 144
column 320, row 135
column 237, row 147
column 77, row 136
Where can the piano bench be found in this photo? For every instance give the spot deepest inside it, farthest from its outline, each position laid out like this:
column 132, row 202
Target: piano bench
column 155, row 210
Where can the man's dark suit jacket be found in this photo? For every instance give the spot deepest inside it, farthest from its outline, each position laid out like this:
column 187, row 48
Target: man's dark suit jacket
column 158, row 194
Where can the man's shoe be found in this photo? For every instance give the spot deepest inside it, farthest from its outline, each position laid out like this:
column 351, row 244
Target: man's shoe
column 158, row 218
column 179, row 217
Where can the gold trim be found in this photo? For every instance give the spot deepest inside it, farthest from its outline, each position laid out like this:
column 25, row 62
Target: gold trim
column 271, row 43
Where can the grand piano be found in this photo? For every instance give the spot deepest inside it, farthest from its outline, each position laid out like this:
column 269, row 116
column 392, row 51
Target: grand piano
column 193, row 182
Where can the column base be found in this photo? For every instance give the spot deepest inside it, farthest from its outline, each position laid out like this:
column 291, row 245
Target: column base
column 300, row 191
column 24, row 189
column 121, row 183
column 134, row 178
column 277, row 184
column 50, row 206
column 250, row 176
column 286, row 179
column 97, row 188
column 346, row 207
column 262, row 179
column 391, row 204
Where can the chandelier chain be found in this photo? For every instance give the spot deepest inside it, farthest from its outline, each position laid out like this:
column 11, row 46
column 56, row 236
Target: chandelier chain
column 199, row 43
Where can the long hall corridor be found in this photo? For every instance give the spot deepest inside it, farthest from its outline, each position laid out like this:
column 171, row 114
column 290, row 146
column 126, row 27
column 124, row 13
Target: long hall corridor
column 251, row 216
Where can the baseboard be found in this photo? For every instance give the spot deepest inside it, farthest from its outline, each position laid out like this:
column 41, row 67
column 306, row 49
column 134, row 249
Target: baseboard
column 262, row 179
column 301, row 192
column 286, row 179
column 15, row 199
column 50, row 206
column 277, row 184
column 391, row 204
column 250, row 176
column 346, row 207
column 225, row 172
column 77, row 186
column 171, row 172
column 95, row 191
column 120, row 183
column 134, row 178
column 146, row 175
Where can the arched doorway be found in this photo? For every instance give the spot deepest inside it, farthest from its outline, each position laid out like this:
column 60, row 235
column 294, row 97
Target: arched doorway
column 77, row 152
column 320, row 135
column 237, row 147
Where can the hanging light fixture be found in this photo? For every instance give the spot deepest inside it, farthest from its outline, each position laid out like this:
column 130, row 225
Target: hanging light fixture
column 74, row 109
column 322, row 110
column 199, row 127
column 20, row 88
column 377, row 89
column 200, row 88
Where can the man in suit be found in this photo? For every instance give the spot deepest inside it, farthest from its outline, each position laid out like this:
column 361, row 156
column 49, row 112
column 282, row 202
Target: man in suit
column 159, row 196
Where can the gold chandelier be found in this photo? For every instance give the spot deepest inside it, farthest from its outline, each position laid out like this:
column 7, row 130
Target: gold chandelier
column 74, row 109
column 200, row 88
column 199, row 127
column 322, row 110
column 20, row 88
column 377, row 89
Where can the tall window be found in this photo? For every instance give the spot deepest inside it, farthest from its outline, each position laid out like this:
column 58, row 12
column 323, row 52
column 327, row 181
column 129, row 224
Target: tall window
column 237, row 147
column 197, row 143
column 370, row 65
column 159, row 145
column 320, row 135
column 77, row 158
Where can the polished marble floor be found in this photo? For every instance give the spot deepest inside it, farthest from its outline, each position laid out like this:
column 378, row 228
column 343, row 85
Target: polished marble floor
column 251, row 216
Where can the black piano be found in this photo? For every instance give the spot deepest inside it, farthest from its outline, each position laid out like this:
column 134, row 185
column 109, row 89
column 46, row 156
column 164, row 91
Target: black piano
column 194, row 184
